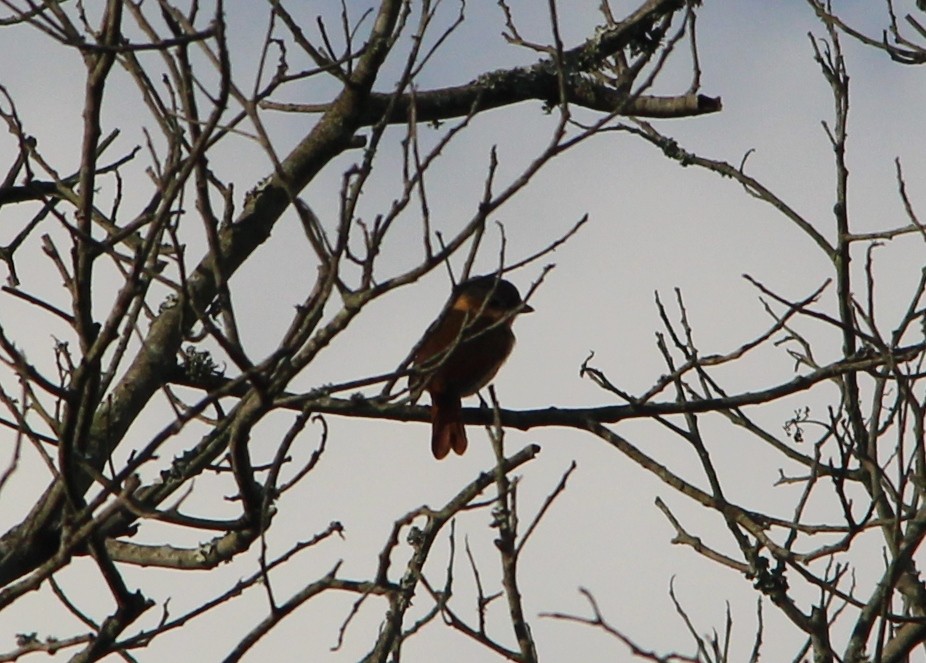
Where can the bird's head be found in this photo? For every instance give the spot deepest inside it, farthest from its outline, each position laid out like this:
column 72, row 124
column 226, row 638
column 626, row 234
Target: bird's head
column 489, row 296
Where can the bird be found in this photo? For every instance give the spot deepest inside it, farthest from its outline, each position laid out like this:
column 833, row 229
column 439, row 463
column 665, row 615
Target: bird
column 462, row 351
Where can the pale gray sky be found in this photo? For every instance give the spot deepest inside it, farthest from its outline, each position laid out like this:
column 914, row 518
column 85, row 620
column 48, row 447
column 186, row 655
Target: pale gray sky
column 654, row 226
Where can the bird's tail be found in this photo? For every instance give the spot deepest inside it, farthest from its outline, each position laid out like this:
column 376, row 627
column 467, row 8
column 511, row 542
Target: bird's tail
column 447, row 431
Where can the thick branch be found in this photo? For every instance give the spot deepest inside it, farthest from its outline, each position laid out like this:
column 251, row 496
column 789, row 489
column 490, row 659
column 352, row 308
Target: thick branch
column 547, row 80
column 206, row 556
column 512, row 87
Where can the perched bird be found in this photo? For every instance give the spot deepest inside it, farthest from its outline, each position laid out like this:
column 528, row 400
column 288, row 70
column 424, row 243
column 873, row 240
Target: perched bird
column 462, row 351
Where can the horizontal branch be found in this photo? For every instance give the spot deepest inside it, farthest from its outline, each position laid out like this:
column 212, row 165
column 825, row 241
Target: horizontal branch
column 513, row 87
column 317, row 402
column 570, row 72
column 29, row 643
column 31, row 191
column 205, row 556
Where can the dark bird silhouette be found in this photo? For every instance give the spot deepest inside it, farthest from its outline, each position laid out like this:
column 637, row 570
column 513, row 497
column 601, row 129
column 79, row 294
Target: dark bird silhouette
column 462, row 351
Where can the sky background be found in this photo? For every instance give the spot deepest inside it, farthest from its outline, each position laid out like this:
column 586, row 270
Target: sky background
column 654, row 226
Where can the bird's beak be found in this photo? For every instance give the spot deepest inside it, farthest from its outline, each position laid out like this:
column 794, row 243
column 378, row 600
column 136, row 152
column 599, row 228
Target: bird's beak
column 526, row 308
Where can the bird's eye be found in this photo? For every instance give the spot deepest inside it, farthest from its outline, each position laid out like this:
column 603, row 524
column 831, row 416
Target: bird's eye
column 497, row 302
